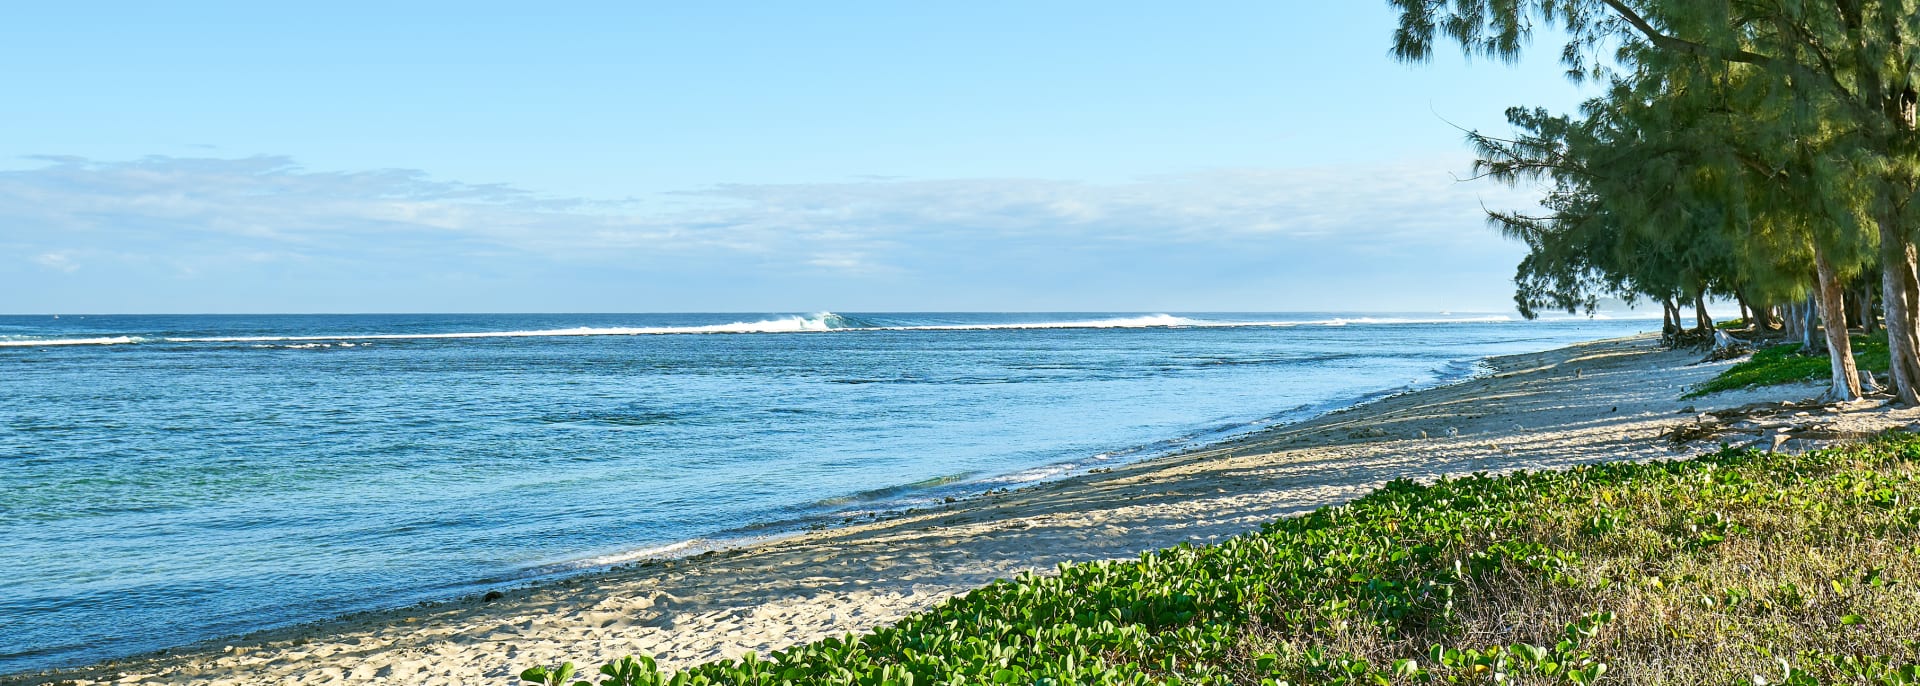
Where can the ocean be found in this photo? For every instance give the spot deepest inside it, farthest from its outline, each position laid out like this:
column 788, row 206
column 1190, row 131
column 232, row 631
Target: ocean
column 175, row 479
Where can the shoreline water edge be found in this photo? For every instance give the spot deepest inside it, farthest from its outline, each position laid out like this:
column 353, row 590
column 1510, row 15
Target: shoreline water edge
column 875, row 505
column 1601, row 400
column 232, row 474
column 866, row 507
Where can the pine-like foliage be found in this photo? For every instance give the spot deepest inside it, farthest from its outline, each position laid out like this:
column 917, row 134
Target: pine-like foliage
column 1737, row 144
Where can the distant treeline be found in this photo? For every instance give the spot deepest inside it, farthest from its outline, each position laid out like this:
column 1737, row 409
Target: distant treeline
column 1763, row 152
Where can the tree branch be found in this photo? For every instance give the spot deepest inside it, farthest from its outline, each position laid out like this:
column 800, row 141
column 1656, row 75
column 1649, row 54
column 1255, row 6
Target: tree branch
column 1670, row 42
column 1683, row 45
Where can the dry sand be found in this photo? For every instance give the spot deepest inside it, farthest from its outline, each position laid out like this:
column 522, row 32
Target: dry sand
column 1607, row 400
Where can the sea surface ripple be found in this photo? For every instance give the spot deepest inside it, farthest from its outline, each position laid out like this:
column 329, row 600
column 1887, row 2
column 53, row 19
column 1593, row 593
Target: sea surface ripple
column 173, row 479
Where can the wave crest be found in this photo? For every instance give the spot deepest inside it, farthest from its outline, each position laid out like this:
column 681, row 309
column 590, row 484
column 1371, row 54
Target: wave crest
column 815, row 323
column 38, row 342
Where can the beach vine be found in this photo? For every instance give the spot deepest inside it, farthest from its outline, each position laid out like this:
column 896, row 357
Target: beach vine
column 1740, row 565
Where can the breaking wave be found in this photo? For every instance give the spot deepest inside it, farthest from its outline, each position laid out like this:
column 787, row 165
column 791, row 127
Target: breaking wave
column 817, row 323
column 37, row 342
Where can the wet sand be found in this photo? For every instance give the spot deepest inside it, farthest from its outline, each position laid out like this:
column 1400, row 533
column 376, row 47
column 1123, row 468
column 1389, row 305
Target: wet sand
column 1606, row 400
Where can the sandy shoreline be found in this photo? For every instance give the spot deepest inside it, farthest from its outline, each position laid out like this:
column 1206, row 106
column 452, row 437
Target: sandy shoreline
column 1605, row 400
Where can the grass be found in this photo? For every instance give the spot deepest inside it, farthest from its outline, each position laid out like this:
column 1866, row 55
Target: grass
column 1783, row 364
column 1735, row 568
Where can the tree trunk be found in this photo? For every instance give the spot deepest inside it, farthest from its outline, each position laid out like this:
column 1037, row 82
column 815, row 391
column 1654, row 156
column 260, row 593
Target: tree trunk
column 1833, row 313
column 1895, row 273
column 1808, row 312
column 1669, row 317
column 1910, row 291
column 1746, row 313
column 1867, row 315
column 1701, row 319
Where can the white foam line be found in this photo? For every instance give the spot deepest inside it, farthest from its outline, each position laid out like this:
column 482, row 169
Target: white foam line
column 113, row 340
column 632, row 555
column 788, row 325
column 820, row 323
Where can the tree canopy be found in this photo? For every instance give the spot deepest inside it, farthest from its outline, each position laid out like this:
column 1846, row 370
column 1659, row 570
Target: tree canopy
column 1760, row 151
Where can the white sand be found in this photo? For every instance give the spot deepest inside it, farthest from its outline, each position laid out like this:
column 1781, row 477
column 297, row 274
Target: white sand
column 1608, row 400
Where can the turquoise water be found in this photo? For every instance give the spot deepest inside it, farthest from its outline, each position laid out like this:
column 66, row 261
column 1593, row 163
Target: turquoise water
column 172, row 479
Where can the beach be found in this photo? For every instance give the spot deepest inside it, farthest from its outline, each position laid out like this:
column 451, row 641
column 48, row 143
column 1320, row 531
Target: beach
column 1616, row 399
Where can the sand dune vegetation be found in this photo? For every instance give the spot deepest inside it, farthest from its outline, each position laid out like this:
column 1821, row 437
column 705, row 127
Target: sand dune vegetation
column 1775, row 568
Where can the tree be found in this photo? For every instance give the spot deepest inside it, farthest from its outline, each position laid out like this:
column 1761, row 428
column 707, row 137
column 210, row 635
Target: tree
column 1845, row 68
column 1678, row 182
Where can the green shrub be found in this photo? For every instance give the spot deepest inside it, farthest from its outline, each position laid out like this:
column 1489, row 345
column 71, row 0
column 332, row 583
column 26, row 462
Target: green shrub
column 1735, row 567
column 1784, row 364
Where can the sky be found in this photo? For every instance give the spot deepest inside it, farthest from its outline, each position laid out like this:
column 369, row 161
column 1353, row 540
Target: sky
column 746, row 157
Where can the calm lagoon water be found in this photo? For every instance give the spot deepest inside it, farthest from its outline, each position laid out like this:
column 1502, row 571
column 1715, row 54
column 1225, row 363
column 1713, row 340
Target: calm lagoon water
column 172, row 479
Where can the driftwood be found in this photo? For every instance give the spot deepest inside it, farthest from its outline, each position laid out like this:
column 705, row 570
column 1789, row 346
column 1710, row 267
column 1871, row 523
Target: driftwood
column 1764, row 425
column 1726, row 347
column 1686, row 338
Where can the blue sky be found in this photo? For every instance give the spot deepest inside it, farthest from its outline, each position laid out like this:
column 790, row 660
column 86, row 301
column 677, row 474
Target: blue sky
column 1255, row 156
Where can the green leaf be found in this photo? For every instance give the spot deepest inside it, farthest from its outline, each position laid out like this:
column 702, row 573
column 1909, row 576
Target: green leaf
column 537, row 675
column 1407, row 668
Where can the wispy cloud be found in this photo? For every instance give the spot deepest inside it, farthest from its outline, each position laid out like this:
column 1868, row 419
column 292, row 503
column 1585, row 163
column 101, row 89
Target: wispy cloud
column 204, row 210
column 60, row 261
column 1418, row 202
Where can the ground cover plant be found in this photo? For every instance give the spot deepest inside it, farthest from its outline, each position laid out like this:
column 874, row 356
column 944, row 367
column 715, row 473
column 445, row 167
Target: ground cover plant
column 1739, row 567
column 1785, row 364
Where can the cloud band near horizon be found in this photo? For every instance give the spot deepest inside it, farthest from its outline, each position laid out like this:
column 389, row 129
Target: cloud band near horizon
column 264, row 234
